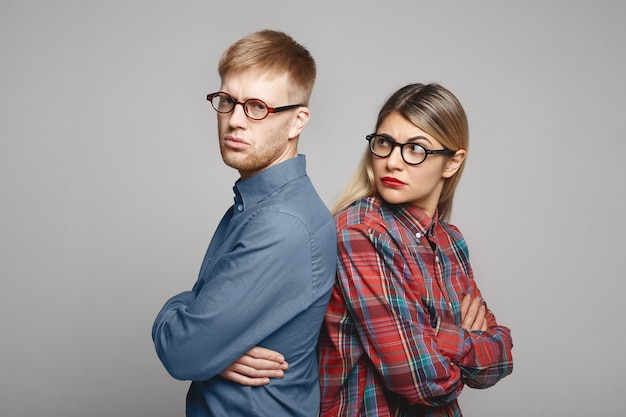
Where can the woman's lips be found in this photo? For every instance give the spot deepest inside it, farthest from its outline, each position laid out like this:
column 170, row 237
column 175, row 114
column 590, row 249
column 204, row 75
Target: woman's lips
column 392, row 182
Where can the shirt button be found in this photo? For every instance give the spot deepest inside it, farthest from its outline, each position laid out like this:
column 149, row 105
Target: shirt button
column 418, row 235
column 240, row 207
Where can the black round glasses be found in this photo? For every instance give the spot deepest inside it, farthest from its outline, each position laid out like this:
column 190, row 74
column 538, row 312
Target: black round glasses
column 412, row 153
column 254, row 108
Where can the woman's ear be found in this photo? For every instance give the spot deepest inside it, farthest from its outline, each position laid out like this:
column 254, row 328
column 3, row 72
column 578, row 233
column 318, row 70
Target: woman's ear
column 301, row 119
column 454, row 163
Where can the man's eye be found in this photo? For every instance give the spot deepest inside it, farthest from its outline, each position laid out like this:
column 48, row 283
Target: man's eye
column 257, row 105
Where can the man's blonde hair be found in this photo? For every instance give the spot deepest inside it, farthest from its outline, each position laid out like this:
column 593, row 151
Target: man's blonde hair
column 277, row 54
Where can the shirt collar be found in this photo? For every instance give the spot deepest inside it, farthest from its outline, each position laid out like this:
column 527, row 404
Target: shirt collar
column 414, row 218
column 256, row 188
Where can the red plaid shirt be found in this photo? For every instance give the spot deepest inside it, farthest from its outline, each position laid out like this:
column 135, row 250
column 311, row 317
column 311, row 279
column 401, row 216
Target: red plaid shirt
column 392, row 344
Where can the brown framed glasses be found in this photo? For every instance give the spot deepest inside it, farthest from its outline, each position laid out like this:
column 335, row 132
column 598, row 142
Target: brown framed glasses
column 254, row 108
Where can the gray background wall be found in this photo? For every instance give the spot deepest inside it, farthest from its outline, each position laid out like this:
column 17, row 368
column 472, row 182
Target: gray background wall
column 111, row 182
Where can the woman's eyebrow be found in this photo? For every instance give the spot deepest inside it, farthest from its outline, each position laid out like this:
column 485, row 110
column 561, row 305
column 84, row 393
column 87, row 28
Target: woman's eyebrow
column 416, row 138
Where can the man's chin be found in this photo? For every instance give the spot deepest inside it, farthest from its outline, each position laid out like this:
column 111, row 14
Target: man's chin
column 232, row 159
column 236, row 161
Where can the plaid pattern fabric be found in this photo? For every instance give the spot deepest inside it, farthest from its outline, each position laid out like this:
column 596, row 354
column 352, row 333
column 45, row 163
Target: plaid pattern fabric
column 392, row 344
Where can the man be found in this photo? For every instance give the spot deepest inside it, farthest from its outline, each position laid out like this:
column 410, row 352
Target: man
column 266, row 278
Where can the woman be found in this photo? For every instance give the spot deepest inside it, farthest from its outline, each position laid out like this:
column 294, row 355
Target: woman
column 406, row 327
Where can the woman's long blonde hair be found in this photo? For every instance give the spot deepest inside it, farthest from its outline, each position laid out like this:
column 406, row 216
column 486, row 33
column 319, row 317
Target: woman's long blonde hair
column 436, row 111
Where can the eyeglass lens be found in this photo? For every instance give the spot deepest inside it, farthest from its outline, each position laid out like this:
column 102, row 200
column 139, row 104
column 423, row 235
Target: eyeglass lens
column 254, row 108
column 412, row 153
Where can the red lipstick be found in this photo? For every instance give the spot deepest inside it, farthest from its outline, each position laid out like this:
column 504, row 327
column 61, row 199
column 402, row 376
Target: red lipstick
column 392, row 182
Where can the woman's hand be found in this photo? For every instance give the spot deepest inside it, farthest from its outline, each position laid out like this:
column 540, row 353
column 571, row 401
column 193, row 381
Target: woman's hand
column 256, row 367
column 473, row 314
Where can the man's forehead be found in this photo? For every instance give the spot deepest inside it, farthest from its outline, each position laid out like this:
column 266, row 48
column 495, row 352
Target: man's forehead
column 253, row 83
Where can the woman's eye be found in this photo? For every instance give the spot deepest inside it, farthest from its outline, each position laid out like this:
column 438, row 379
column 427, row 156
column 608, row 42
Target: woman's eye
column 384, row 142
column 416, row 149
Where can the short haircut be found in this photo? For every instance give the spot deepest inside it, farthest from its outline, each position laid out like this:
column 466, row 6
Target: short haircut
column 277, row 54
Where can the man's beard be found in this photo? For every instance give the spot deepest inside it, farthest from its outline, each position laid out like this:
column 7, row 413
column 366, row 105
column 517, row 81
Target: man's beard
column 256, row 161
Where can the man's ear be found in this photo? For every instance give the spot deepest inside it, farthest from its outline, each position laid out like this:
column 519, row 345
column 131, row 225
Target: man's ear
column 301, row 119
column 454, row 163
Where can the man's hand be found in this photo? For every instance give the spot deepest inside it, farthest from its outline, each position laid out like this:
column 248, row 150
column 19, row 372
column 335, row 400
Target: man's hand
column 473, row 314
column 256, row 367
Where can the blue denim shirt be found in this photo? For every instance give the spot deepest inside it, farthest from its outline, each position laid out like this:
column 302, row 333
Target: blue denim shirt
column 265, row 281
